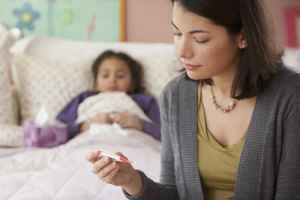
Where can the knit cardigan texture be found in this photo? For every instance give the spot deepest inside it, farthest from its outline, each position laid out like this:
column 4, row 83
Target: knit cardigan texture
column 269, row 166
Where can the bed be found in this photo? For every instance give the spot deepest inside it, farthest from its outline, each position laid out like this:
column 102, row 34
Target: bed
column 63, row 173
column 49, row 71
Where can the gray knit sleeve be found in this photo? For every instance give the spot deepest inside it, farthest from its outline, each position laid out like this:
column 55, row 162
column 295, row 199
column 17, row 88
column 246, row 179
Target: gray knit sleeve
column 151, row 191
column 288, row 179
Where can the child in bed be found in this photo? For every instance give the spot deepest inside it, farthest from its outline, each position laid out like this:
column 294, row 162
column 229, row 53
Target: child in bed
column 115, row 72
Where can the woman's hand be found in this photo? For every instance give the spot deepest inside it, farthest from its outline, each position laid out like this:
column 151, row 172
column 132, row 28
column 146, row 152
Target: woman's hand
column 100, row 118
column 126, row 120
column 115, row 173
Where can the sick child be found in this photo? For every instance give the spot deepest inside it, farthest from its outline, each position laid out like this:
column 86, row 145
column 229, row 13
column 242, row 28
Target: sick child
column 115, row 72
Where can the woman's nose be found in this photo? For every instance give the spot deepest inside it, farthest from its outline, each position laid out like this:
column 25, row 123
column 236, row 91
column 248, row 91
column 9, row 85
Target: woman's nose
column 184, row 49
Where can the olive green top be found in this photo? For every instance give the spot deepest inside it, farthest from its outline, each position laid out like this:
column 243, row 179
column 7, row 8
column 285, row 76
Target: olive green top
column 217, row 165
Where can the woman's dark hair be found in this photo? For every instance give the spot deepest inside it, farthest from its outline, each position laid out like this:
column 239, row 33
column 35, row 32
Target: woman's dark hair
column 261, row 59
column 135, row 68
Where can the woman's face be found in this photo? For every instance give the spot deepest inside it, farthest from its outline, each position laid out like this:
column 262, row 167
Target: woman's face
column 113, row 75
column 203, row 47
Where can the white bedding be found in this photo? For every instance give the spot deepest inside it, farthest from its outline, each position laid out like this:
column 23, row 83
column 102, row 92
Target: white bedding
column 63, row 173
column 110, row 103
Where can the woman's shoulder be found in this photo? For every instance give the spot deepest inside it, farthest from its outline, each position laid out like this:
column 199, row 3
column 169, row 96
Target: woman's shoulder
column 178, row 83
column 284, row 86
column 287, row 78
column 176, row 80
column 174, row 83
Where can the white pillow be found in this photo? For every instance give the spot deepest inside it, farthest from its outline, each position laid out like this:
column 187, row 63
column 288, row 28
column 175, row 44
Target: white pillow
column 292, row 57
column 54, row 48
column 8, row 101
column 46, row 82
column 159, row 60
column 11, row 135
column 5, row 42
column 54, row 83
column 158, row 71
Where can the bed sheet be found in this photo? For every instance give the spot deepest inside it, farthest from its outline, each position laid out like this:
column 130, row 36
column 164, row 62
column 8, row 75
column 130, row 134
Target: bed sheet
column 63, row 173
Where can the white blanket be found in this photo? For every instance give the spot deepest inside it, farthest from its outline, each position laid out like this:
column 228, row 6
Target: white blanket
column 110, row 103
column 63, row 173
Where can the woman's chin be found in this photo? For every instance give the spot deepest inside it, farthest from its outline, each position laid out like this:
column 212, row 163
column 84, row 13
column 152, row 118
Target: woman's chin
column 194, row 75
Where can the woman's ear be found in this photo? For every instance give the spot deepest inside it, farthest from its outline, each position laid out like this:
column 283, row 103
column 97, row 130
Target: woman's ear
column 242, row 42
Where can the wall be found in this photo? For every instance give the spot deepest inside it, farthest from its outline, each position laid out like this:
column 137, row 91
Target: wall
column 276, row 10
column 79, row 20
column 149, row 21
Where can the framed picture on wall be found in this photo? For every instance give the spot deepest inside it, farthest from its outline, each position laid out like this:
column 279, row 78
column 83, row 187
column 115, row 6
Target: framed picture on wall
column 92, row 20
column 292, row 26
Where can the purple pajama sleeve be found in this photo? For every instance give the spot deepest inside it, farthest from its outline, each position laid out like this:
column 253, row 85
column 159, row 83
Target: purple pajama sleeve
column 151, row 109
column 68, row 115
column 147, row 103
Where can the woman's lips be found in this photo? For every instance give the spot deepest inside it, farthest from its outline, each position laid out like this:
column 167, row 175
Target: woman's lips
column 190, row 67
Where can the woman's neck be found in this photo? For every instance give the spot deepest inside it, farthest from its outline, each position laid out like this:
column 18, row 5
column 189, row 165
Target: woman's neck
column 222, row 86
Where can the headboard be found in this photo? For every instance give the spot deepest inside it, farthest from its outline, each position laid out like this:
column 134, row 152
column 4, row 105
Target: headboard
column 92, row 20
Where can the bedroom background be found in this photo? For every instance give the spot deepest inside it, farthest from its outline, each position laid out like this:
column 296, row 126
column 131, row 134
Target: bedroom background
column 139, row 27
column 129, row 21
column 48, row 63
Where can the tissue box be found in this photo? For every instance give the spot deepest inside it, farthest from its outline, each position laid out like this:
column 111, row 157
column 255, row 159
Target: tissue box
column 44, row 136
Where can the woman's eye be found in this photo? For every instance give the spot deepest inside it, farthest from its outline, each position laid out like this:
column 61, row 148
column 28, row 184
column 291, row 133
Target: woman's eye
column 177, row 34
column 201, row 41
column 105, row 75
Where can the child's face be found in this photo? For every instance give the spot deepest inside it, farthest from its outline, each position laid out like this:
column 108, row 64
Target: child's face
column 113, row 75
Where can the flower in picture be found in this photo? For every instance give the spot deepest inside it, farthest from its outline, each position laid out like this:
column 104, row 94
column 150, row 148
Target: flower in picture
column 26, row 16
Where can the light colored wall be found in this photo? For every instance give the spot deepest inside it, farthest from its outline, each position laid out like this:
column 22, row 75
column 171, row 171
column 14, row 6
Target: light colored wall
column 276, row 10
column 150, row 21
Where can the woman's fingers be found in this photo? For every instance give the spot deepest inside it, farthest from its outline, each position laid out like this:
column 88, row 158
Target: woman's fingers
column 120, row 154
column 105, row 169
column 109, row 175
column 92, row 156
column 100, row 164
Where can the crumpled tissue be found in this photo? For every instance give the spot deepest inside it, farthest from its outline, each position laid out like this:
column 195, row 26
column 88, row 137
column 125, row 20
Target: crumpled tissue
column 114, row 128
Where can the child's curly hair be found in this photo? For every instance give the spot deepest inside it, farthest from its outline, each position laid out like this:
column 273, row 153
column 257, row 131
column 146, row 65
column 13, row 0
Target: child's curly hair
column 135, row 68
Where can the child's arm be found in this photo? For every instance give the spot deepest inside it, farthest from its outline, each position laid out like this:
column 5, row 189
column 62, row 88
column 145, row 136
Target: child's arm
column 151, row 109
column 152, row 129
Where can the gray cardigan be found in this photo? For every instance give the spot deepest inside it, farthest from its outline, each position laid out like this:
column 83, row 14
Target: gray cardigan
column 269, row 166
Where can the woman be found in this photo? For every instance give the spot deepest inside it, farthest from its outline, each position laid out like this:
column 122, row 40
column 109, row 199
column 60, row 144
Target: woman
column 230, row 123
